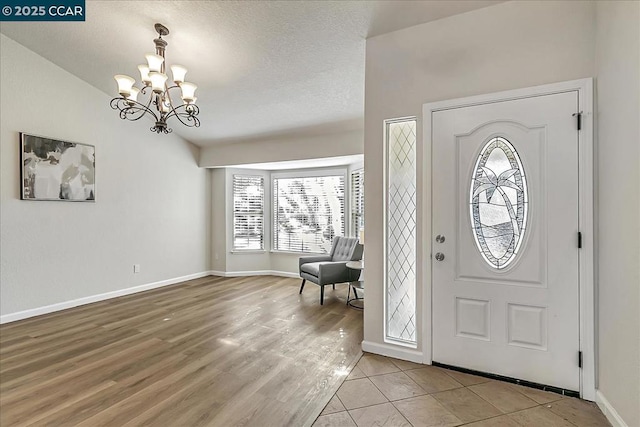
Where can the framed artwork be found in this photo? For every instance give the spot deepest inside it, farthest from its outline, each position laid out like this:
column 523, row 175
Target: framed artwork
column 57, row 170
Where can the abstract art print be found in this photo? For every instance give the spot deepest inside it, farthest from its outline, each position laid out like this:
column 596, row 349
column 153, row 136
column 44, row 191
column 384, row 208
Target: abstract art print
column 57, row 170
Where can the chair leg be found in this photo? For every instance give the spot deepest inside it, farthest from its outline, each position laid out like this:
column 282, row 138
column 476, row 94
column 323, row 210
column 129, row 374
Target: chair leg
column 355, row 292
column 334, row 286
column 322, row 295
column 348, row 294
column 302, row 286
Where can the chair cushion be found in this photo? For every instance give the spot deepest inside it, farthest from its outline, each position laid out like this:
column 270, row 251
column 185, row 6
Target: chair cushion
column 312, row 268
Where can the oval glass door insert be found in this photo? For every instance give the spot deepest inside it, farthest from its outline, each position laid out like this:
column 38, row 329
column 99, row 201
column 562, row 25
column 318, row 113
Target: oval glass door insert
column 498, row 201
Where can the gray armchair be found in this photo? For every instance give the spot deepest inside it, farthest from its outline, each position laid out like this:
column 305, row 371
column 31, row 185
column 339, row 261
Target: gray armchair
column 332, row 268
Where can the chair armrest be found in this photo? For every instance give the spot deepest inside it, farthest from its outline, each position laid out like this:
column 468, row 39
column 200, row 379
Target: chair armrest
column 336, row 272
column 312, row 258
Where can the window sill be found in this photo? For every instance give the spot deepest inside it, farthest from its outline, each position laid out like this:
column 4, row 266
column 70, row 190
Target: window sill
column 249, row 252
column 297, row 253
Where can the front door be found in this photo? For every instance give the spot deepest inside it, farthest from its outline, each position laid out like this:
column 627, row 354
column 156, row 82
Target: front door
column 505, row 238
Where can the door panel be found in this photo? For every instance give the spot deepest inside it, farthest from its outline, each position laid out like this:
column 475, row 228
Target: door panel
column 505, row 299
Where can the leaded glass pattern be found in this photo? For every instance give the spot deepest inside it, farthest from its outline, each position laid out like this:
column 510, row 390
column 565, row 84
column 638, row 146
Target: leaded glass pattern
column 498, row 202
column 400, row 284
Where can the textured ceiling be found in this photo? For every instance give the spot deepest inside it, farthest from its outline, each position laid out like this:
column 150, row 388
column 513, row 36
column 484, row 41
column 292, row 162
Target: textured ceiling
column 263, row 68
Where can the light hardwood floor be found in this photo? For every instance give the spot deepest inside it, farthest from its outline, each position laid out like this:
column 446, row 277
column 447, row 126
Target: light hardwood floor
column 212, row 351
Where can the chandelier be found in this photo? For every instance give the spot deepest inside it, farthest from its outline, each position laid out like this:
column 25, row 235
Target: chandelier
column 162, row 96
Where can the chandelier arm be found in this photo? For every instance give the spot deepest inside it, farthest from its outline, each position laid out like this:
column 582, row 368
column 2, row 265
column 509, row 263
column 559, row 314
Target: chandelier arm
column 153, row 99
column 147, row 108
column 172, row 87
column 168, row 97
column 126, row 111
column 131, row 112
column 190, row 116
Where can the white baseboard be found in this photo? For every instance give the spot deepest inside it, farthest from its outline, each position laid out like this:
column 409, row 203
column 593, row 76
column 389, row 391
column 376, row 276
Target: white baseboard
column 218, row 273
column 609, row 411
column 20, row 315
column 254, row 273
column 393, row 351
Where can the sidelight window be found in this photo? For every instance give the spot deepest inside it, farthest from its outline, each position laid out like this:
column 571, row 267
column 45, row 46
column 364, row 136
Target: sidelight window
column 400, row 232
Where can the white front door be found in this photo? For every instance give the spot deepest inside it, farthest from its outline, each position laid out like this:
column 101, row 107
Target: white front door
column 505, row 238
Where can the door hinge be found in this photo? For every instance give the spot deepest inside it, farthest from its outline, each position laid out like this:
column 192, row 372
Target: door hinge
column 579, row 240
column 578, row 117
column 579, row 359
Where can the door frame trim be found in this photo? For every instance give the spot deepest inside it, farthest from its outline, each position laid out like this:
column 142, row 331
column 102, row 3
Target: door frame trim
column 586, row 216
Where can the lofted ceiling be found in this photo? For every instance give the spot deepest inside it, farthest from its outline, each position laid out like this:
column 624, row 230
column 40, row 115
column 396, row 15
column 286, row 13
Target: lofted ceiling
column 263, row 68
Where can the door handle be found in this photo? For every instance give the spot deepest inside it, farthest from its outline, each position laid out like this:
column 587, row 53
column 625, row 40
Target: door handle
column 439, row 256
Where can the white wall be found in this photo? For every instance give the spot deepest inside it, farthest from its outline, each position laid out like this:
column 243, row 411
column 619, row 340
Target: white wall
column 282, row 149
column 618, row 107
column 507, row 46
column 152, row 207
column 218, row 220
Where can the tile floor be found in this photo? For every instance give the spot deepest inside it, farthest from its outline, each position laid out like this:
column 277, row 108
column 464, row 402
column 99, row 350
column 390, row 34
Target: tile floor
column 381, row 391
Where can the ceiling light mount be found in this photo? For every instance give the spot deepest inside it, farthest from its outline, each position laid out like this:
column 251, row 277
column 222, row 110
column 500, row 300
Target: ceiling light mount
column 160, row 105
column 161, row 29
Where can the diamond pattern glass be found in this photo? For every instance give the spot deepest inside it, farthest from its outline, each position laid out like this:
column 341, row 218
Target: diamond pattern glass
column 400, row 283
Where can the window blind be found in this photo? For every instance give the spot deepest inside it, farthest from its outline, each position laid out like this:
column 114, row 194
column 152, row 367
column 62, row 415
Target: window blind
column 357, row 201
column 307, row 213
column 248, row 212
